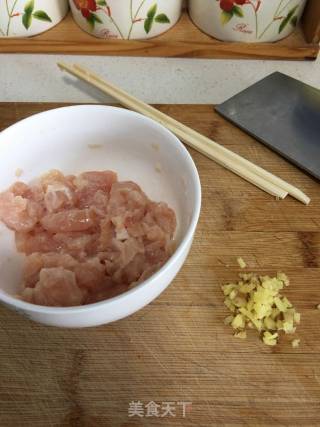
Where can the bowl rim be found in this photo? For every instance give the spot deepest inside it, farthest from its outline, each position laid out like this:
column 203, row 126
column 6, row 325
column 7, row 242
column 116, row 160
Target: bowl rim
column 188, row 235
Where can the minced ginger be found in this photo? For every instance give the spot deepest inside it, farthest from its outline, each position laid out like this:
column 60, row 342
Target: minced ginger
column 295, row 343
column 256, row 303
column 241, row 262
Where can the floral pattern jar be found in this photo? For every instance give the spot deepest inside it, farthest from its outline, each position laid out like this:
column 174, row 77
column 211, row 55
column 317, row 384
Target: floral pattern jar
column 126, row 19
column 24, row 18
column 247, row 20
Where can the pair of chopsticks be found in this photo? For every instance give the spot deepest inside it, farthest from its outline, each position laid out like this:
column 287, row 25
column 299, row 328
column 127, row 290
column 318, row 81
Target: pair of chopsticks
column 244, row 168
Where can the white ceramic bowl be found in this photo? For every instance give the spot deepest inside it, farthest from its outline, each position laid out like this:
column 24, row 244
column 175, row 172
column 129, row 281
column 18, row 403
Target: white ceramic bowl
column 136, row 147
column 243, row 21
column 25, row 18
column 126, row 19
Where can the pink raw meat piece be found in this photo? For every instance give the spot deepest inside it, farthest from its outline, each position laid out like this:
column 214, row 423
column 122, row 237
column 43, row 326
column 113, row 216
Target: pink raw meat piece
column 90, row 275
column 36, row 241
column 128, row 249
column 99, row 203
column 122, row 253
column 54, row 259
column 127, row 200
column 107, row 234
column 99, row 180
column 20, row 189
column 33, row 193
column 131, row 272
column 137, row 229
column 52, row 177
column 18, row 213
column 163, row 216
column 69, row 181
column 56, row 287
column 37, row 194
column 89, row 183
column 156, row 252
column 36, row 261
column 58, row 196
column 121, row 232
column 36, row 210
column 77, row 243
column 69, row 220
column 31, row 269
column 155, row 233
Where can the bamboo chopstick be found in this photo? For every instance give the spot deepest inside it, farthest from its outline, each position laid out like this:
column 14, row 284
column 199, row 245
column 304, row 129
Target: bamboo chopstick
column 230, row 160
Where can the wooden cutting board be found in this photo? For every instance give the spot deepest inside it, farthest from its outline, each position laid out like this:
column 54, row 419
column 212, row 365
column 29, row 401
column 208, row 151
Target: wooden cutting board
column 177, row 349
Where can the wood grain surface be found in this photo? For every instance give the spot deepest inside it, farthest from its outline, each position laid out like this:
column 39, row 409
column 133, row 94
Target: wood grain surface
column 311, row 21
column 177, row 348
column 183, row 40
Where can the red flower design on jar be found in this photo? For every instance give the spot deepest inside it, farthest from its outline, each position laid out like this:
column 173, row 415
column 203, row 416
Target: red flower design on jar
column 227, row 5
column 86, row 6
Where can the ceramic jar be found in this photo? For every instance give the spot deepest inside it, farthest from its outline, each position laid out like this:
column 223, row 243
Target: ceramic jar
column 24, row 18
column 246, row 20
column 126, row 19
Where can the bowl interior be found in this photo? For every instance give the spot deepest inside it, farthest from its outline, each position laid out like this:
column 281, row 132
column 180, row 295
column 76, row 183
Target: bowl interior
column 82, row 138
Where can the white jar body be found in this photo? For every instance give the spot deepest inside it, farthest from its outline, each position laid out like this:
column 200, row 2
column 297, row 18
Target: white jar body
column 25, row 18
column 126, row 19
column 255, row 21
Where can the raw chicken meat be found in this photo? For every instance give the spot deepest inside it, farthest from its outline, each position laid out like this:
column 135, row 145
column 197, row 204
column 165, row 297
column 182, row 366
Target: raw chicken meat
column 17, row 212
column 68, row 220
column 56, row 287
column 86, row 238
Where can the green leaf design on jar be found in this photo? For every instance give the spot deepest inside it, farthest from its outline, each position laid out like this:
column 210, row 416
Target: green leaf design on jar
column 162, row 19
column 41, row 16
column 287, row 19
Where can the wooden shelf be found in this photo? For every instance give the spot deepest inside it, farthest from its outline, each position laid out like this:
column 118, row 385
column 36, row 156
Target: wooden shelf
column 184, row 40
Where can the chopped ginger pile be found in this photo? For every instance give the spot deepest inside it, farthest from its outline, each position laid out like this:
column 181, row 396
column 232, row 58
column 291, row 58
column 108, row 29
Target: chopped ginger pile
column 256, row 303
